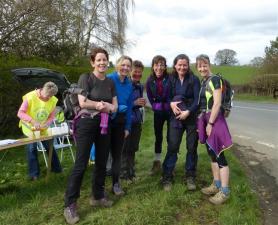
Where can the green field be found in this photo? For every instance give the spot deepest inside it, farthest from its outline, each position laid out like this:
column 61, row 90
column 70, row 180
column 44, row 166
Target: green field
column 40, row 202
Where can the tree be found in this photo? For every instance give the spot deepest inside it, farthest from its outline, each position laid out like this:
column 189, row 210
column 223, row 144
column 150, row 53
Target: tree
column 62, row 30
column 225, row 57
column 270, row 64
column 257, row 62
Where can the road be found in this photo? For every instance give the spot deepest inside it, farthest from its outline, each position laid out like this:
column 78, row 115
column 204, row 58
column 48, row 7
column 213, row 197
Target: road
column 256, row 125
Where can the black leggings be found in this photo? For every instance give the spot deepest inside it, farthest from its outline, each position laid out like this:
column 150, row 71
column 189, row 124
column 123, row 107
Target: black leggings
column 221, row 160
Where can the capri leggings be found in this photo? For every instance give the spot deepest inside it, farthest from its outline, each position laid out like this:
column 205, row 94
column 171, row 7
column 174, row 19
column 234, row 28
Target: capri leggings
column 221, row 160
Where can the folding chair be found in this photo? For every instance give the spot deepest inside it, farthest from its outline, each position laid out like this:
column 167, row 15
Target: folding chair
column 63, row 142
column 41, row 148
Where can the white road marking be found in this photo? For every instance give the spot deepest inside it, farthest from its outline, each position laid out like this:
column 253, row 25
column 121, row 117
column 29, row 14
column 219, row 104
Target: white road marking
column 242, row 136
column 253, row 108
column 270, row 145
column 266, row 144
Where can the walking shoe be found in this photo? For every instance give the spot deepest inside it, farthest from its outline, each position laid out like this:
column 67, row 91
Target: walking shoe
column 210, row 190
column 166, row 183
column 219, row 198
column 108, row 172
column 167, row 186
column 117, row 190
column 34, row 178
column 70, row 214
column 103, row 202
column 156, row 167
column 190, row 181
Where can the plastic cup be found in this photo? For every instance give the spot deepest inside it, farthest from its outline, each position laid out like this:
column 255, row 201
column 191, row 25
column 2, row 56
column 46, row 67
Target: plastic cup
column 37, row 133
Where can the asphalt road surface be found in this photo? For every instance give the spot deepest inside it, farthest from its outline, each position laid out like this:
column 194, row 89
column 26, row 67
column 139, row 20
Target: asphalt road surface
column 255, row 125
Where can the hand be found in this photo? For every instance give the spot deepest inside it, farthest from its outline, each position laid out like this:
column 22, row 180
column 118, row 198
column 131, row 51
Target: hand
column 35, row 125
column 140, row 102
column 44, row 126
column 100, row 106
column 174, row 106
column 183, row 115
column 126, row 133
column 208, row 129
column 109, row 108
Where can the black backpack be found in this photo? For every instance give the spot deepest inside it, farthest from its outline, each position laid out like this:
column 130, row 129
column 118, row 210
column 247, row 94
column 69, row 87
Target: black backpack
column 227, row 94
column 70, row 100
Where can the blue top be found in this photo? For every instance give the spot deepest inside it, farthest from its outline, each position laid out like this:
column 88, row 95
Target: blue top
column 124, row 96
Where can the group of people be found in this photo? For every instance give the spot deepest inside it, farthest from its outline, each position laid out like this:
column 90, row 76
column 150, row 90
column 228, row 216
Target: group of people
column 111, row 118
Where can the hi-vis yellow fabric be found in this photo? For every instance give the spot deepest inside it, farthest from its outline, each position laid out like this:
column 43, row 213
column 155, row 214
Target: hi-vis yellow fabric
column 39, row 110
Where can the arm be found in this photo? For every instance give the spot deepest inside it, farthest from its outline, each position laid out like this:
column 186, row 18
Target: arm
column 128, row 115
column 22, row 112
column 149, row 91
column 89, row 104
column 196, row 91
column 215, row 109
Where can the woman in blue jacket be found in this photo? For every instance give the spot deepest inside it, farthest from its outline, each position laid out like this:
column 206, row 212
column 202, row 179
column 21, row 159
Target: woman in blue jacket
column 121, row 121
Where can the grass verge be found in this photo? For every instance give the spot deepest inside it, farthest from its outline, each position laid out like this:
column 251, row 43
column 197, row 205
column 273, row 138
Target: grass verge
column 24, row 202
column 253, row 98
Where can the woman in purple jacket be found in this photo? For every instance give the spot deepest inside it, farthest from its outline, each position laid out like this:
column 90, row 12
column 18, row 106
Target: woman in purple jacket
column 158, row 90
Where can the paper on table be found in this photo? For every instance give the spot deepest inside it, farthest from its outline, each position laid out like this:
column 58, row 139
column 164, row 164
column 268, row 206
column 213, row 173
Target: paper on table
column 7, row 141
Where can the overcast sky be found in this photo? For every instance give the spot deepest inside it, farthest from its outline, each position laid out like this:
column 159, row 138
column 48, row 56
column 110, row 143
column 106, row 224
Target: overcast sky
column 171, row 27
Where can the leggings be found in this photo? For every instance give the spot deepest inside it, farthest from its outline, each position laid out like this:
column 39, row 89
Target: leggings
column 221, row 160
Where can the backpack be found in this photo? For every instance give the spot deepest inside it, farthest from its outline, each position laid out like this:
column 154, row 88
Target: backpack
column 227, row 94
column 70, row 100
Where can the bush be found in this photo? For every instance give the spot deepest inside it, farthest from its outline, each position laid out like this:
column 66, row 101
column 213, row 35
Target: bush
column 265, row 84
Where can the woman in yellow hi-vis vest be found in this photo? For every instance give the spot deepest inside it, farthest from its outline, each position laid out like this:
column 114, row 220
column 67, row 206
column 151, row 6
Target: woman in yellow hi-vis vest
column 37, row 112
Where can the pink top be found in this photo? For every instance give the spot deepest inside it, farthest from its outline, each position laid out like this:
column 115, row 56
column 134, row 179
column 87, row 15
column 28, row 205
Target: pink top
column 25, row 117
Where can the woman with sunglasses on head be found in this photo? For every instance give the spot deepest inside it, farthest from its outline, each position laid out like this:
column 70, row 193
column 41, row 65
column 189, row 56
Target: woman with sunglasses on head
column 121, row 121
column 158, row 90
column 185, row 87
column 93, row 126
column 213, row 131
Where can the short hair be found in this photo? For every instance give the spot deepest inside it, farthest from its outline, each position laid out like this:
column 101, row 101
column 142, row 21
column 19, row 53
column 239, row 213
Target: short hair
column 138, row 64
column 121, row 59
column 95, row 51
column 50, row 88
column 203, row 58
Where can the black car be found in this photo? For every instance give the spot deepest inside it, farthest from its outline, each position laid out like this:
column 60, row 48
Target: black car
column 32, row 78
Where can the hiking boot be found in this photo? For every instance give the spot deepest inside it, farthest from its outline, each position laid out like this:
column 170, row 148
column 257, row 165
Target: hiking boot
column 156, row 167
column 117, row 190
column 210, row 190
column 70, row 214
column 219, row 198
column 191, row 186
column 103, row 202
